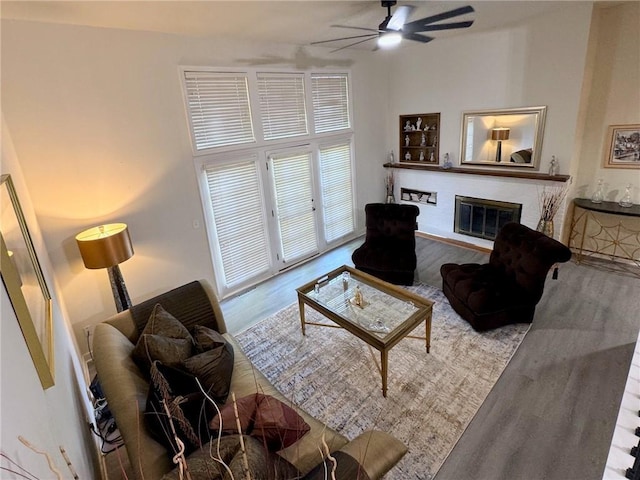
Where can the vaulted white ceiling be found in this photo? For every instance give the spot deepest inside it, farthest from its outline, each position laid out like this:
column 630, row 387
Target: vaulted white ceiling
column 292, row 22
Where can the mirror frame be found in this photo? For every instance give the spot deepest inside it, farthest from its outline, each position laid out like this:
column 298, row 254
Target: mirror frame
column 539, row 115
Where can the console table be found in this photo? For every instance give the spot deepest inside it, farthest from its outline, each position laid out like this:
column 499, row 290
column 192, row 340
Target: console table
column 606, row 230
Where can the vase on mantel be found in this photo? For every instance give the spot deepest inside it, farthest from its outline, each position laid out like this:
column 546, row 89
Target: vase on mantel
column 546, row 227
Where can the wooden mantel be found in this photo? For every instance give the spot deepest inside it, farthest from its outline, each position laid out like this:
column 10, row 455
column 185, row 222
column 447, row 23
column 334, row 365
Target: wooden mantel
column 512, row 173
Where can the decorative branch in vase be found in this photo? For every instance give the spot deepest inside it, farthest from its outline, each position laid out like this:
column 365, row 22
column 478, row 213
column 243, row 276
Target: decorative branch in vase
column 550, row 201
column 389, row 184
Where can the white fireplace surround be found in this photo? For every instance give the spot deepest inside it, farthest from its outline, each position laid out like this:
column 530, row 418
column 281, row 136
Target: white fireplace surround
column 439, row 219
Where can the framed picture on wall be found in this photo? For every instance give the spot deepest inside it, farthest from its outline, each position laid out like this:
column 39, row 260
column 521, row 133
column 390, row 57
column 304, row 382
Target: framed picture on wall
column 624, row 146
column 24, row 281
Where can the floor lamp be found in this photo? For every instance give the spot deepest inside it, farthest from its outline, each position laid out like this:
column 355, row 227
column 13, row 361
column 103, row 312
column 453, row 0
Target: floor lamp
column 499, row 134
column 107, row 246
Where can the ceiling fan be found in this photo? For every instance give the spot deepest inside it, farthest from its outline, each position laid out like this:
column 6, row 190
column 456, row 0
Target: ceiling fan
column 395, row 27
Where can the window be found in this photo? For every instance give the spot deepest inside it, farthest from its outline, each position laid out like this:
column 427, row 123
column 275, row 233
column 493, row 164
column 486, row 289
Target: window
column 235, row 197
column 330, row 102
column 219, row 110
column 282, row 105
column 337, row 195
column 289, row 195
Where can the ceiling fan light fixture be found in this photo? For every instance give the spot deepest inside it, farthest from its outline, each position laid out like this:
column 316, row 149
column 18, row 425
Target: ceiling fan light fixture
column 389, row 39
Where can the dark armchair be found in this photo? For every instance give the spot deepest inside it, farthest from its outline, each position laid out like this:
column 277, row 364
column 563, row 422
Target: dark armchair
column 508, row 288
column 389, row 249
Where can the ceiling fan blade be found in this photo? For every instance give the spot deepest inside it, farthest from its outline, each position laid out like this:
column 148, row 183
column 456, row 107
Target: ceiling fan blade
column 355, row 43
column 416, row 37
column 368, row 35
column 399, row 17
column 357, row 28
column 439, row 26
column 416, row 25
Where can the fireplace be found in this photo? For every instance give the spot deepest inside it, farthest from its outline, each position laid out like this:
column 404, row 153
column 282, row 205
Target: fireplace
column 478, row 217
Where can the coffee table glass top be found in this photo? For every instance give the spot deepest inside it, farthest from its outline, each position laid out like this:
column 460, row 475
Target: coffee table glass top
column 380, row 312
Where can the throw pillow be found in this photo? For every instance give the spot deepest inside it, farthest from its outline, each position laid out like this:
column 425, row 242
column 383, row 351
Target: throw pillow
column 169, row 351
column 264, row 417
column 160, row 323
column 187, row 408
column 214, row 369
column 263, row 465
column 206, row 338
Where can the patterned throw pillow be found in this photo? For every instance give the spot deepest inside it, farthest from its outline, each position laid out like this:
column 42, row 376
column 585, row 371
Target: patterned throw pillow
column 164, row 338
column 175, row 408
column 263, row 417
column 214, row 365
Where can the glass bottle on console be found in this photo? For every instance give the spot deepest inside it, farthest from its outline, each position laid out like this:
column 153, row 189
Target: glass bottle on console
column 598, row 195
column 625, row 201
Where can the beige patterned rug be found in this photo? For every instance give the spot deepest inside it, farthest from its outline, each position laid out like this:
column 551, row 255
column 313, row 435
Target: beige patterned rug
column 431, row 398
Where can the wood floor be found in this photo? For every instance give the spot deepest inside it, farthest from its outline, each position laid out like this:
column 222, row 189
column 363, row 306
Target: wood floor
column 552, row 412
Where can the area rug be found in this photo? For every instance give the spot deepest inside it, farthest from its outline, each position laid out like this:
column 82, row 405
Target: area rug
column 431, row 397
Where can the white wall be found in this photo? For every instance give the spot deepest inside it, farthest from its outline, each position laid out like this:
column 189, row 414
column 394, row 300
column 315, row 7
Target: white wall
column 540, row 62
column 98, row 120
column 46, row 418
column 613, row 98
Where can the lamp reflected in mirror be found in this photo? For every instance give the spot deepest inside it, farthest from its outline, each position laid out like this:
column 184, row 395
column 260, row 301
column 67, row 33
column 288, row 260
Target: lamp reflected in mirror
column 499, row 134
column 107, row 246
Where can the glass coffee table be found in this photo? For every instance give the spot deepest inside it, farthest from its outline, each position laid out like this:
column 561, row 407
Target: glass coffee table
column 384, row 315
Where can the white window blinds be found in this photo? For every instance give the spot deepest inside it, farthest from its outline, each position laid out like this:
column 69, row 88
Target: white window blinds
column 282, row 105
column 330, row 94
column 219, row 109
column 337, row 194
column 236, row 200
column 294, row 205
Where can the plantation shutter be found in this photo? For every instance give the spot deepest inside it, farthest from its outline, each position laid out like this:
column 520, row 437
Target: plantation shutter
column 337, row 194
column 282, row 105
column 330, row 102
column 294, row 205
column 219, row 109
column 236, row 201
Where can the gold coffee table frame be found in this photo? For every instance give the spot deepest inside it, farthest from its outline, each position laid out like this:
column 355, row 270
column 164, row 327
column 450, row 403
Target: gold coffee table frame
column 388, row 315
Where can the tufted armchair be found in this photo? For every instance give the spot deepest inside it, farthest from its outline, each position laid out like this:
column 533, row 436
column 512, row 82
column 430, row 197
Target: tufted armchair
column 508, row 288
column 389, row 248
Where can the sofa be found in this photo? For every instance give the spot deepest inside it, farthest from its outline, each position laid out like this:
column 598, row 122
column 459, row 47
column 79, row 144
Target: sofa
column 126, row 388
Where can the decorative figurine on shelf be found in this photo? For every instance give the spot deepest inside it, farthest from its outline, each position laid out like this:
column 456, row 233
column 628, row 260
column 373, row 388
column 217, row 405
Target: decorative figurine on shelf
column 423, row 140
column 407, row 157
column 447, row 162
column 418, row 123
column 406, row 140
column 553, row 166
column 432, row 158
column 358, row 299
column 421, row 156
column 435, row 142
column 407, row 126
column 392, row 157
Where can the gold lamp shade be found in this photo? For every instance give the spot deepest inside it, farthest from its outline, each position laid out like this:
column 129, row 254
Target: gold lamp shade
column 500, row 133
column 105, row 246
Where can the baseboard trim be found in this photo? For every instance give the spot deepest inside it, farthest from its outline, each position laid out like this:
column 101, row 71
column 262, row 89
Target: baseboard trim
column 451, row 241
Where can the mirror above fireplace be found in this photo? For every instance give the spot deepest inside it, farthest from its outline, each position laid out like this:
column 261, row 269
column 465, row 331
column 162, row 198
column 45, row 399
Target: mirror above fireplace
column 510, row 137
